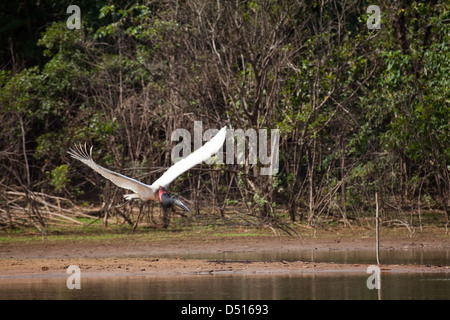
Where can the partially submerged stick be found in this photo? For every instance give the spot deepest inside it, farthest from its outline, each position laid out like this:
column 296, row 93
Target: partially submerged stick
column 377, row 229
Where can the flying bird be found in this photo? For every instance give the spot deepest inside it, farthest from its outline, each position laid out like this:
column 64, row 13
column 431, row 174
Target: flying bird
column 156, row 191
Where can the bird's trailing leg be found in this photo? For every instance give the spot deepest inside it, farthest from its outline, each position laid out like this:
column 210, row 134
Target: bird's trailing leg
column 123, row 204
column 139, row 215
column 166, row 216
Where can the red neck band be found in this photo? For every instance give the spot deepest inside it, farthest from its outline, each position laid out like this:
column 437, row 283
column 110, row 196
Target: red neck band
column 161, row 192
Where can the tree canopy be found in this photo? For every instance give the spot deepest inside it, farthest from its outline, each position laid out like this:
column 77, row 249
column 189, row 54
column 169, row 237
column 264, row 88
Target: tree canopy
column 358, row 110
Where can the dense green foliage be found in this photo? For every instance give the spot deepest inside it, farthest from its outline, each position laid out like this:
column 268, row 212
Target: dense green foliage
column 359, row 111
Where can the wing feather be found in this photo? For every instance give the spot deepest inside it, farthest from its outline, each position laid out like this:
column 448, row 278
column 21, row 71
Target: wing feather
column 118, row 179
column 197, row 157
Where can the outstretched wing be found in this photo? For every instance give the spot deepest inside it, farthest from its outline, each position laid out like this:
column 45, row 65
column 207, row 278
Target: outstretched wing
column 198, row 156
column 118, row 179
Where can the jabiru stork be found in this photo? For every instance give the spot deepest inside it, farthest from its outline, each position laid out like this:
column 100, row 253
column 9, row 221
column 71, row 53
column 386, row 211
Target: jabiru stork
column 156, row 191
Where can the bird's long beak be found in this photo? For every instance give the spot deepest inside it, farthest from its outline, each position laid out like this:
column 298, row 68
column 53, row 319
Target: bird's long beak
column 180, row 204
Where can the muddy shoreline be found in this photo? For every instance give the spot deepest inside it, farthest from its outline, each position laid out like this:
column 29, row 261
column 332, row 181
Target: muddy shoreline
column 137, row 256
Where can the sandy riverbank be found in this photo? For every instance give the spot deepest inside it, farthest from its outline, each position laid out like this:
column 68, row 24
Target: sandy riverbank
column 137, row 255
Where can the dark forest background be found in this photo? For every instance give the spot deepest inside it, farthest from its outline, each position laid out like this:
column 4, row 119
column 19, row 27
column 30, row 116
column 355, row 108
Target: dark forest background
column 359, row 111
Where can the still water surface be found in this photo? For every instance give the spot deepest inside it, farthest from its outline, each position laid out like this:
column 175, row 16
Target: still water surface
column 440, row 257
column 336, row 285
column 283, row 287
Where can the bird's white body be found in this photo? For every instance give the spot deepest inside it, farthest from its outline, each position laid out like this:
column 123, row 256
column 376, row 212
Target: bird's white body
column 146, row 192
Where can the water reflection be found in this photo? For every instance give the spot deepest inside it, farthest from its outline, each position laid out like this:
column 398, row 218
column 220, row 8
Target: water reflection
column 398, row 256
column 279, row 287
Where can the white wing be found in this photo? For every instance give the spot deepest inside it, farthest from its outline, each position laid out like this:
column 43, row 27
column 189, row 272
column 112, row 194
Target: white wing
column 198, row 156
column 116, row 178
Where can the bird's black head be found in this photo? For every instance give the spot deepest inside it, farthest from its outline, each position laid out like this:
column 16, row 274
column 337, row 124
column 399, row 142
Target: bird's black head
column 168, row 201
